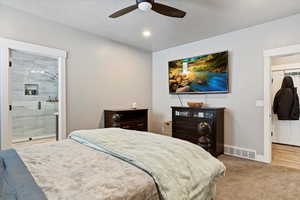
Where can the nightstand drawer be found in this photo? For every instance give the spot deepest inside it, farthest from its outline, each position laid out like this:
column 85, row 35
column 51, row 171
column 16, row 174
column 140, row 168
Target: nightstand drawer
column 128, row 125
column 135, row 125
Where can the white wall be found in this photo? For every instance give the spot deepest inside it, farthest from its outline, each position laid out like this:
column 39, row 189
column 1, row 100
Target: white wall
column 243, row 120
column 100, row 73
column 285, row 60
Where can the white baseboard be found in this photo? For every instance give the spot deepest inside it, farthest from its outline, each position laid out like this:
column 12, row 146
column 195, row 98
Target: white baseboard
column 249, row 154
column 261, row 158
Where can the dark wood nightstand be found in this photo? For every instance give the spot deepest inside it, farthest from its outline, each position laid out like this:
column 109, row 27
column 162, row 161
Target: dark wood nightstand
column 133, row 119
column 201, row 126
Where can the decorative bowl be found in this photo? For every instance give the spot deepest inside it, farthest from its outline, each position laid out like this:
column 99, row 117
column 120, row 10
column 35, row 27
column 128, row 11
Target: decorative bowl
column 195, row 104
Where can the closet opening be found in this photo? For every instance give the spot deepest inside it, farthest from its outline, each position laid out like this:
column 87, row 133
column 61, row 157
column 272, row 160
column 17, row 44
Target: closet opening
column 285, row 110
column 279, row 56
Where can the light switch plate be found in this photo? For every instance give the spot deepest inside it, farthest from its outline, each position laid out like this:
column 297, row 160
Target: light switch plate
column 259, row 103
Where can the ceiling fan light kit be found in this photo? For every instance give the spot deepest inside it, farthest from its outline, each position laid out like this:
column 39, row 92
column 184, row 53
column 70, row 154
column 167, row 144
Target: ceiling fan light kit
column 146, row 5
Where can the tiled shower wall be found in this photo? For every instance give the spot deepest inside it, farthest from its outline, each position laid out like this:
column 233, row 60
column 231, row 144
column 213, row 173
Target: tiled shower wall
column 29, row 120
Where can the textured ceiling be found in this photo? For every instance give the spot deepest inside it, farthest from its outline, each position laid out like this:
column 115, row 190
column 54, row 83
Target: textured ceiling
column 205, row 18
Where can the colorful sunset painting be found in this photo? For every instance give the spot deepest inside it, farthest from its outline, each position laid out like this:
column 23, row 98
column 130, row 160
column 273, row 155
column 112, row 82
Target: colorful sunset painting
column 201, row 74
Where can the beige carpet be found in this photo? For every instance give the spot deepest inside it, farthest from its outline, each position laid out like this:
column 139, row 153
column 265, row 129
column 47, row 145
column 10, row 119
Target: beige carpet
column 249, row 180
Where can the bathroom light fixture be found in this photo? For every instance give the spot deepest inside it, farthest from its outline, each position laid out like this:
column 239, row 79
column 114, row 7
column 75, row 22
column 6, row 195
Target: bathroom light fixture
column 146, row 33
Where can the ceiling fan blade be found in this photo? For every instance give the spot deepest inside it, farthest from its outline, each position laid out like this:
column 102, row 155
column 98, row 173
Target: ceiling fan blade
column 167, row 10
column 124, row 11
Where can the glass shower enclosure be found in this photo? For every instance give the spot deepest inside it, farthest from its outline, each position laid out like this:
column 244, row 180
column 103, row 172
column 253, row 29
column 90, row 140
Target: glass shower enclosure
column 34, row 96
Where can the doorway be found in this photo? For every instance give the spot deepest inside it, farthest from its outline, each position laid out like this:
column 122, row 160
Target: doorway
column 34, row 96
column 285, row 137
column 33, row 93
column 272, row 71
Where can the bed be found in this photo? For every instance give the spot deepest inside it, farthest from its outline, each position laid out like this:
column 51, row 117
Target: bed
column 118, row 164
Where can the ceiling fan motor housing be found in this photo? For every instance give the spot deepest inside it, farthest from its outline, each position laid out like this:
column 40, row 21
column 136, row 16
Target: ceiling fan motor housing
column 144, row 5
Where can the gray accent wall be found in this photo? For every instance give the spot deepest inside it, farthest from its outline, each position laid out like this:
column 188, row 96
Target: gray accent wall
column 101, row 74
column 244, row 121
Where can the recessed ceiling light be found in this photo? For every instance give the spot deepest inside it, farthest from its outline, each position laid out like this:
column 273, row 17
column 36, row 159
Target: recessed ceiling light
column 146, row 33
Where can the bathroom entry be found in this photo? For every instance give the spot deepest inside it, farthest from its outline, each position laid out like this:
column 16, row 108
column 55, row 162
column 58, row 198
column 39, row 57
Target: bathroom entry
column 285, row 133
column 34, row 96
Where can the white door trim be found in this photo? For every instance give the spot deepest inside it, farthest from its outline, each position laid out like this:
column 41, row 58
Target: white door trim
column 268, row 54
column 32, row 48
column 61, row 55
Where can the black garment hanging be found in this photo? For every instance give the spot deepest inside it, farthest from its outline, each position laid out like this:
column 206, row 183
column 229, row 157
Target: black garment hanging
column 286, row 101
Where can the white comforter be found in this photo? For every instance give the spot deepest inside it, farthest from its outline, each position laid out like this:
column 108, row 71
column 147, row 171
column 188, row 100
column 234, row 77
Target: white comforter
column 67, row 170
column 182, row 171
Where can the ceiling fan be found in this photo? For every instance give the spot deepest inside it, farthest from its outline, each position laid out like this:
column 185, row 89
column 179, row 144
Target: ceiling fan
column 146, row 5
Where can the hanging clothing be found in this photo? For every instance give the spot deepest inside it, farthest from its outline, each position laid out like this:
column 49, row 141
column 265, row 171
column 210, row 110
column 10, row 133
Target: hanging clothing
column 286, row 101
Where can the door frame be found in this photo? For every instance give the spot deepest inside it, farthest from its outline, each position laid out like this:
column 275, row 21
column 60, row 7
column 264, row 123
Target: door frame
column 60, row 55
column 268, row 54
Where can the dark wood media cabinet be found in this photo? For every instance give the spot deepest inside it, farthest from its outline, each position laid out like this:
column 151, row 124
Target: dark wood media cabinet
column 133, row 119
column 201, row 126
